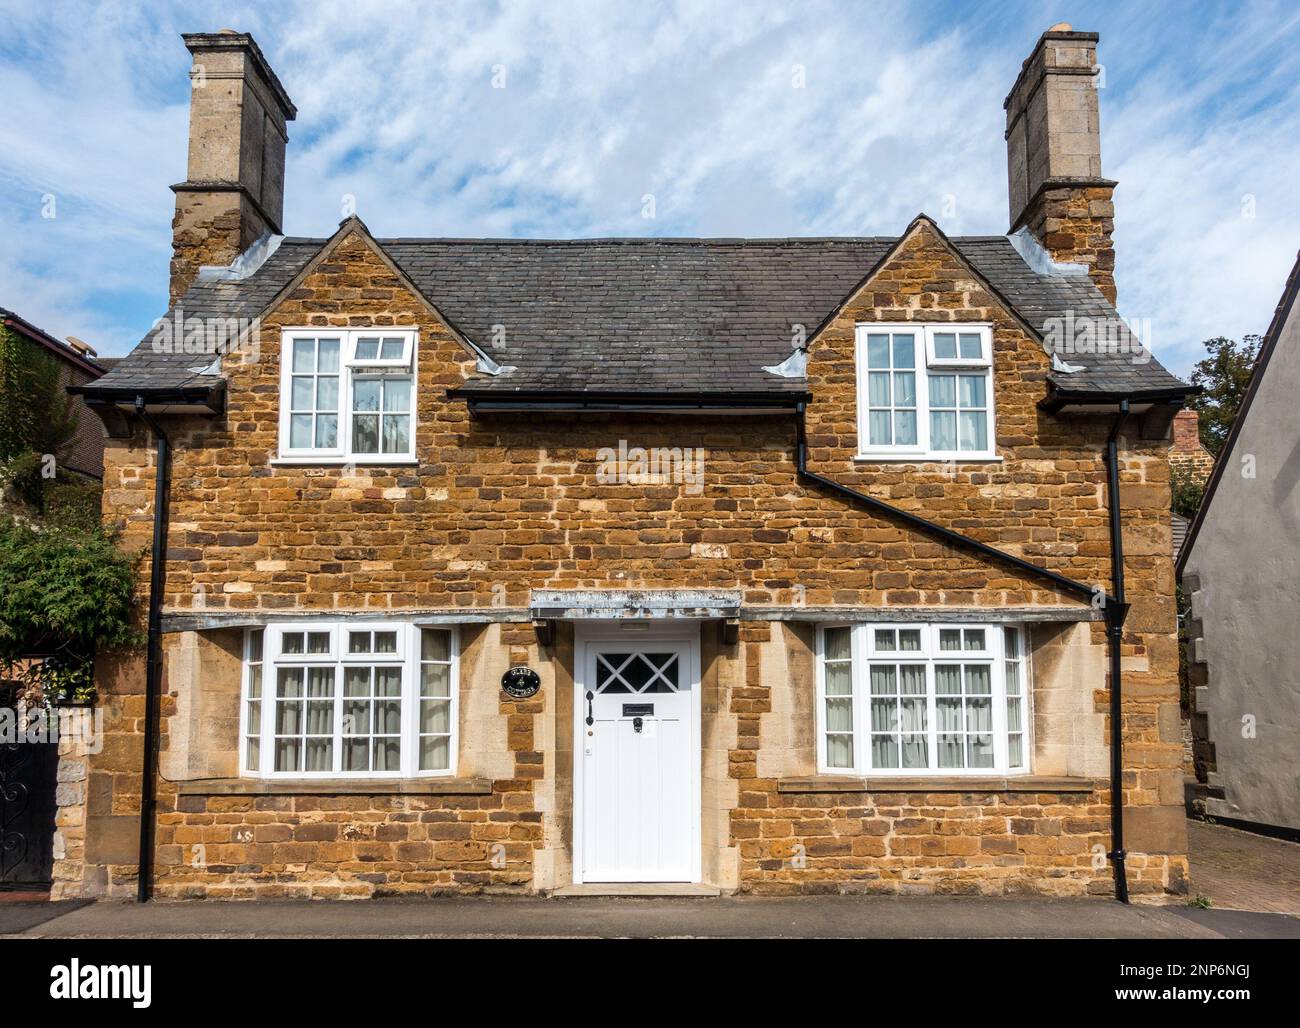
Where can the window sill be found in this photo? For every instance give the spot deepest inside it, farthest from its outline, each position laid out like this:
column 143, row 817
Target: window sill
column 924, row 458
column 336, row 462
column 939, row 783
column 337, row 787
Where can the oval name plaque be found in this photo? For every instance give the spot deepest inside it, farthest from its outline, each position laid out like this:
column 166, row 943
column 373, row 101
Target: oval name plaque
column 520, row 683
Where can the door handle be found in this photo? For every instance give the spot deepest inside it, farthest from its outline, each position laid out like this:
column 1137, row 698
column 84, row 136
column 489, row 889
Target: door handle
column 637, row 725
column 590, row 720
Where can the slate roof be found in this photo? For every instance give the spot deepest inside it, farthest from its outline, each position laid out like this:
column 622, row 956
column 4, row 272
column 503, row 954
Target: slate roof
column 644, row 315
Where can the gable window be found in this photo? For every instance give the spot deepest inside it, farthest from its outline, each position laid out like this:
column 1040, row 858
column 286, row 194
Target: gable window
column 925, row 392
column 348, row 395
column 331, row 700
column 922, row 699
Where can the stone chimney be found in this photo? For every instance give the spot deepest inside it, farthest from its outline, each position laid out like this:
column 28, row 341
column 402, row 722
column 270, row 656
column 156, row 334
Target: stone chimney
column 1054, row 154
column 234, row 192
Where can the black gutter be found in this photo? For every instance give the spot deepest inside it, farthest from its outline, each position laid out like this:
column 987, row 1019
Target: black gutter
column 1116, row 613
column 1114, row 607
column 210, row 396
column 500, row 399
column 1058, row 398
column 153, row 661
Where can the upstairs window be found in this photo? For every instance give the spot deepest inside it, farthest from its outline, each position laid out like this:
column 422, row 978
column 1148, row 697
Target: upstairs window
column 348, row 395
column 925, row 392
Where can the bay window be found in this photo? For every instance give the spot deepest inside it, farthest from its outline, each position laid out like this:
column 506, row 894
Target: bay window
column 925, row 392
column 916, row 699
column 348, row 700
column 347, row 395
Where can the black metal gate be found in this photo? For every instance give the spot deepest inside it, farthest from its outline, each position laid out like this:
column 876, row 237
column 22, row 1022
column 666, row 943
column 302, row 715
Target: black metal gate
column 27, row 807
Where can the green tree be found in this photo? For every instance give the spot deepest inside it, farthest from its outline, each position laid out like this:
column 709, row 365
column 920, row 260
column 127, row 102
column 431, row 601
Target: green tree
column 36, row 416
column 1223, row 376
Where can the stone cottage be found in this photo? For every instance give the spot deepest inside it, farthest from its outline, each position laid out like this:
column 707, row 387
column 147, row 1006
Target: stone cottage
column 756, row 565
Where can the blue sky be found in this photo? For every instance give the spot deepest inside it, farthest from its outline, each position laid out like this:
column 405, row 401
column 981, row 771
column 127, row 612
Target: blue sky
column 692, row 103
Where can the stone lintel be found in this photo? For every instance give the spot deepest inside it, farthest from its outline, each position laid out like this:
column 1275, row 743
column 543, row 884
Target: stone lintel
column 192, row 621
column 577, row 609
column 634, row 604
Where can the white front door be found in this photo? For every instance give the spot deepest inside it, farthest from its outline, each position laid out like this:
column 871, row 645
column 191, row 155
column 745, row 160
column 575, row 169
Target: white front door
column 639, row 761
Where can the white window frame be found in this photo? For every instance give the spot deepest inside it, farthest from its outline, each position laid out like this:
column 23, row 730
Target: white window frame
column 985, row 333
column 380, row 336
column 926, row 364
column 351, row 368
column 408, row 658
column 864, row 654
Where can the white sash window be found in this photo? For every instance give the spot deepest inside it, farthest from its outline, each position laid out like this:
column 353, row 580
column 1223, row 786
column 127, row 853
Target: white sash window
column 916, row 699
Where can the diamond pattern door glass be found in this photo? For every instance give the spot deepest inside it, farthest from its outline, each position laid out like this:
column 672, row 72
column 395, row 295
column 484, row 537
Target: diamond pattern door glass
column 637, row 672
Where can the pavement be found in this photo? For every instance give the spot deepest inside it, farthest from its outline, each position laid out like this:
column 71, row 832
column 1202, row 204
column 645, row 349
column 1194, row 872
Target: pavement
column 1238, row 870
column 1250, row 882
column 721, row 917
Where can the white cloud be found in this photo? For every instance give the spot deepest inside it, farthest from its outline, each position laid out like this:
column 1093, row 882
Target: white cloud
column 604, row 103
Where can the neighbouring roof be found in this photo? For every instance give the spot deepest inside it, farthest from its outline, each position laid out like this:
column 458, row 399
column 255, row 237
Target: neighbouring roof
column 671, row 316
column 94, row 366
column 1178, row 525
column 1281, row 315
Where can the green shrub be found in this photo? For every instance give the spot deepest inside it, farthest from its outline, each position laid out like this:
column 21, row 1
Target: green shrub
column 74, row 504
column 63, row 590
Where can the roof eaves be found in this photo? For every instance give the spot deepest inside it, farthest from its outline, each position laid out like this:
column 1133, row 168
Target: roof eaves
column 1059, row 398
column 622, row 399
column 210, row 394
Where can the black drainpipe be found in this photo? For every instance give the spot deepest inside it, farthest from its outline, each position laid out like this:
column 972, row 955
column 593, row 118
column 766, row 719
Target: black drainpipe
column 153, row 660
column 965, row 542
column 1116, row 613
column 1115, row 609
